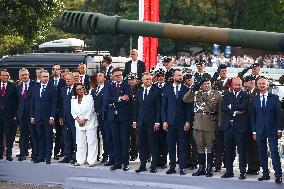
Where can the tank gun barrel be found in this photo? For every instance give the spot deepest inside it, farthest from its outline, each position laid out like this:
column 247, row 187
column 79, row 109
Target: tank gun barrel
column 97, row 23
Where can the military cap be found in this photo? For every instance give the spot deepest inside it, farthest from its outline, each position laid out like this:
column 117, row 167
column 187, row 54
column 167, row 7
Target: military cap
column 204, row 79
column 160, row 72
column 200, row 63
column 131, row 76
column 152, row 70
column 187, row 75
column 167, row 59
column 254, row 65
column 249, row 78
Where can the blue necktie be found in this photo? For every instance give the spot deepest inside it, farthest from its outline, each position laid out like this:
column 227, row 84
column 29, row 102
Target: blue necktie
column 177, row 92
column 263, row 102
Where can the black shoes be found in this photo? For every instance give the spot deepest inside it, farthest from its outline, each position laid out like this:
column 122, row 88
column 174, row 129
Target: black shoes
column 108, row 164
column 141, row 169
column 37, row 160
column 125, row 168
column 264, row 177
column 133, row 158
column 278, row 180
column 21, row 158
column 227, row 175
column 182, row 172
column 200, row 171
column 252, row 172
column 56, row 157
column 48, row 161
column 217, row 169
column 114, row 167
column 153, row 170
column 9, row 158
column 171, row 171
column 242, row 176
column 65, row 160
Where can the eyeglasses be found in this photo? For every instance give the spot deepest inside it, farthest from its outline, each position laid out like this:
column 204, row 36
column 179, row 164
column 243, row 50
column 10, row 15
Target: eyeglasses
column 79, row 89
column 117, row 75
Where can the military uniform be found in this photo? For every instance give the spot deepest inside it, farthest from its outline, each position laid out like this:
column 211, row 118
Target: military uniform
column 207, row 110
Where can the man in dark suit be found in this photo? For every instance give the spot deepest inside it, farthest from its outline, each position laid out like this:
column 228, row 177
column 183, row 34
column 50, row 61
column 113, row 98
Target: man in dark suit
column 58, row 83
column 252, row 153
column 134, row 65
column 8, row 108
column 175, row 117
column 117, row 97
column 147, row 121
column 24, row 91
column 43, row 111
column 235, row 127
column 98, row 94
column 66, row 120
column 267, row 123
column 107, row 67
column 84, row 77
column 161, row 133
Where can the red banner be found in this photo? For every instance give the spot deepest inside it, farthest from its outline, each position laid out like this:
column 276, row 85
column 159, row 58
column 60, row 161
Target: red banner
column 150, row 44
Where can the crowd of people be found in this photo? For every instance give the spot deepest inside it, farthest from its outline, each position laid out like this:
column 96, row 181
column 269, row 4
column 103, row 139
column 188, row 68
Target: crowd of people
column 193, row 119
column 267, row 61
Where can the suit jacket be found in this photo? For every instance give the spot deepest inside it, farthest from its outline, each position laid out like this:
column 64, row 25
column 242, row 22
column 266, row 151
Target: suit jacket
column 107, row 72
column 44, row 107
column 148, row 111
column 240, row 121
column 65, row 104
column 24, row 103
column 98, row 100
column 114, row 105
column 8, row 102
column 87, row 81
column 266, row 120
column 61, row 83
column 174, row 109
column 141, row 68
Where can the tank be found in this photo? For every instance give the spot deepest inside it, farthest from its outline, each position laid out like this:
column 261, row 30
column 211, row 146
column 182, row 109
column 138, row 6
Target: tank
column 96, row 23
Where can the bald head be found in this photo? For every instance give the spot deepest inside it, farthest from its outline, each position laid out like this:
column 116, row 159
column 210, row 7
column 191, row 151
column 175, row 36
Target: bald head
column 237, row 84
column 262, row 85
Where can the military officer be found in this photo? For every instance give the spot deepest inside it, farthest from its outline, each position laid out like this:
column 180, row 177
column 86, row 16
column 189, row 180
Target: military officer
column 207, row 109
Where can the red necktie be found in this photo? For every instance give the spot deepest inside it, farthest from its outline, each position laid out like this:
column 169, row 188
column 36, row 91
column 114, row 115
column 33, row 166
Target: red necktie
column 3, row 89
column 25, row 90
column 81, row 79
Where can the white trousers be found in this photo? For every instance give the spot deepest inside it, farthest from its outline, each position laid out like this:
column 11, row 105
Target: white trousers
column 87, row 146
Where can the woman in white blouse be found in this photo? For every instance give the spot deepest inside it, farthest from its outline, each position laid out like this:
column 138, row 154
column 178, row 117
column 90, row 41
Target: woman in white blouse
column 82, row 110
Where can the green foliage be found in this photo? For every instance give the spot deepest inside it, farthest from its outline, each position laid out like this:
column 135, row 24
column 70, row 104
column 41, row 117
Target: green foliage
column 12, row 45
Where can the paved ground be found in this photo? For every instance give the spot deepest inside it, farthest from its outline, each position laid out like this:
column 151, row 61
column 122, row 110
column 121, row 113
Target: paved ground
column 84, row 177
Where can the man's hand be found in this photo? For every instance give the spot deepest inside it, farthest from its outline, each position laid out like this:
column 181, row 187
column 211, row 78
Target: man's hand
column 134, row 125
column 279, row 135
column 156, row 127
column 33, row 121
column 125, row 98
column 165, row 126
column 186, row 126
column 61, row 122
column 254, row 136
column 51, row 122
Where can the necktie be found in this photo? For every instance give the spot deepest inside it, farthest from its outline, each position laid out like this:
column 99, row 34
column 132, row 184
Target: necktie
column 55, row 82
column 263, row 102
column 68, row 90
column 160, row 86
column 3, row 89
column 43, row 89
column 81, row 79
column 97, row 90
column 117, row 88
column 177, row 92
column 25, row 90
column 145, row 94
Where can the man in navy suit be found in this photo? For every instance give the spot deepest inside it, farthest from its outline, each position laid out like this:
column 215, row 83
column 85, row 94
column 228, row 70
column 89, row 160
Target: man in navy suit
column 266, row 121
column 235, row 126
column 107, row 67
column 161, row 133
column 24, row 91
column 66, row 120
column 43, row 111
column 84, row 77
column 8, row 108
column 147, row 121
column 175, row 117
column 58, row 83
column 98, row 94
column 134, row 65
column 117, row 97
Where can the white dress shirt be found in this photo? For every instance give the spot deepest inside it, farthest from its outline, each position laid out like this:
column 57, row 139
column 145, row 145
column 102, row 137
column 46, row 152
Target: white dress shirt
column 23, row 88
column 179, row 86
column 134, row 66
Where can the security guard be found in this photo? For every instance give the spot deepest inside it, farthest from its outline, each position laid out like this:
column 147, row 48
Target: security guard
column 207, row 106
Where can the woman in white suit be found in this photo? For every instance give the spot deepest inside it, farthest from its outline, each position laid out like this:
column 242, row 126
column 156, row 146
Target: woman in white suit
column 82, row 110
